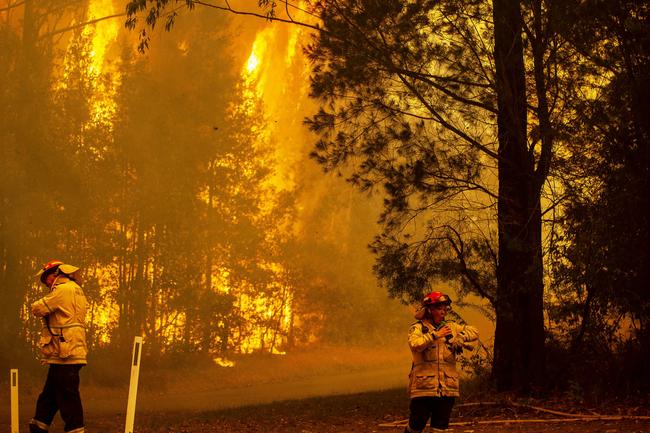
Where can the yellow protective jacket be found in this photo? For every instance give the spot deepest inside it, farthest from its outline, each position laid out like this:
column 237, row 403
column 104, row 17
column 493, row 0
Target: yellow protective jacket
column 434, row 372
column 64, row 310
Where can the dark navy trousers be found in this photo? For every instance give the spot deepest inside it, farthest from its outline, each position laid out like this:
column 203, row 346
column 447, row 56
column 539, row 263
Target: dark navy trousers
column 438, row 409
column 60, row 393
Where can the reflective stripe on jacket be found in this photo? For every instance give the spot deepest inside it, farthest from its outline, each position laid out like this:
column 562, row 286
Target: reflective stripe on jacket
column 64, row 310
column 434, row 372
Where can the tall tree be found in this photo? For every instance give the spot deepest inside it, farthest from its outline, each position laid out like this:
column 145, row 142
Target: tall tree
column 519, row 334
column 410, row 91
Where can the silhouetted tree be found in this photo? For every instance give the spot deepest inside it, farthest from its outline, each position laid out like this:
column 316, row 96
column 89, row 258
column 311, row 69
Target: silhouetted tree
column 430, row 101
column 602, row 260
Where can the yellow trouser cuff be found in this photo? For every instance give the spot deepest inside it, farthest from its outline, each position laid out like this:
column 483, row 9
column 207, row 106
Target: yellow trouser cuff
column 39, row 424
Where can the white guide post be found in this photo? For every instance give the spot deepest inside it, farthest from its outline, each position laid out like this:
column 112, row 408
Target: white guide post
column 133, row 385
column 13, row 380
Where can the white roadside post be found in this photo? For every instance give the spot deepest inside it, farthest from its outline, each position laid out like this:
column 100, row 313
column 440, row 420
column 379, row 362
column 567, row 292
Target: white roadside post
column 133, row 385
column 14, row 400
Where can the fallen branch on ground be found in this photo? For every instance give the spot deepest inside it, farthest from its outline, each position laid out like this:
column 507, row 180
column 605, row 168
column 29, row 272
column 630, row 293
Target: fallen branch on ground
column 403, row 423
column 537, row 408
column 569, row 417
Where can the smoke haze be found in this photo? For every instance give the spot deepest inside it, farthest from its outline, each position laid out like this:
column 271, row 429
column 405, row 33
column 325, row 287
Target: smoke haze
column 180, row 181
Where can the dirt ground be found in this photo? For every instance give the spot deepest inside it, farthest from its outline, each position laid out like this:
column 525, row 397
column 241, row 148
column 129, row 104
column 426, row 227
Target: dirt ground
column 363, row 412
column 308, row 394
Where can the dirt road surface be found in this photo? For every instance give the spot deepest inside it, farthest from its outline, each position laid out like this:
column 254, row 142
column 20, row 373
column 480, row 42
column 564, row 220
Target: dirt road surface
column 349, row 402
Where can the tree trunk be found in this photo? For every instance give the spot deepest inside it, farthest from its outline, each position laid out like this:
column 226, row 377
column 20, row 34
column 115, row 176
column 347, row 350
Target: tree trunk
column 519, row 336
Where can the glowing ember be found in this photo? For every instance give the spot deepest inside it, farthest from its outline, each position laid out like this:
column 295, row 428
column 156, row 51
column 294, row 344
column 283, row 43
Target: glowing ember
column 223, row 362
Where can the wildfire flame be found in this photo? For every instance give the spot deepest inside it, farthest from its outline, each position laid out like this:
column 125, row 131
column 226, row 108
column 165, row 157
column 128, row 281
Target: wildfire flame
column 252, row 63
column 268, row 76
column 276, row 77
column 102, row 35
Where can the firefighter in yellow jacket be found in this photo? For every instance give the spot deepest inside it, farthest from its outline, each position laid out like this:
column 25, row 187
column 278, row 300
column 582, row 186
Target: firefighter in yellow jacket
column 63, row 346
column 434, row 344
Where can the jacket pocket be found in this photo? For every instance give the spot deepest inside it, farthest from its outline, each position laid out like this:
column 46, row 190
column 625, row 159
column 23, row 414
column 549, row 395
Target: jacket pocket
column 451, row 382
column 426, row 381
column 65, row 349
column 448, row 354
column 44, row 340
column 46, row 344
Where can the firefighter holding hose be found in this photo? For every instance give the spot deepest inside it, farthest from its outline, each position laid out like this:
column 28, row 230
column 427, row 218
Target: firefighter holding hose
column 433, row 381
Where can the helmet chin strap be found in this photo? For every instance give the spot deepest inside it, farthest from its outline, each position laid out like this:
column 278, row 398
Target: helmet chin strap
column 54, row 282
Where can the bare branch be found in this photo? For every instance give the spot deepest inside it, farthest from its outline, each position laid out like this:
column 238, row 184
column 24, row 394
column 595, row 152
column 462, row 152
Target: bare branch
column 459, row 249
column 445, row 123
column 446, row 91
column 546, row 130
column 80, row 25
column 12, row 6
column 230, row 9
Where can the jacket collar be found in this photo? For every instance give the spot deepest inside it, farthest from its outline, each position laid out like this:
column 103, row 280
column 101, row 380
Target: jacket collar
column 60, row 280
column 430, row 324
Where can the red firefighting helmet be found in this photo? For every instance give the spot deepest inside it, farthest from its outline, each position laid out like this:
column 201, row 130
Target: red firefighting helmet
column 434, row 298
column 54, row 265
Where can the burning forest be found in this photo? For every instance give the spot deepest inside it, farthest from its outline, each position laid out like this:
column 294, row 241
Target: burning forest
column 264, row 192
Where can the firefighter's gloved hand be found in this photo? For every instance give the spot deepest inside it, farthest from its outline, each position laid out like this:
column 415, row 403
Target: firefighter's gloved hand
column 456, row 345
column 444, row 332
